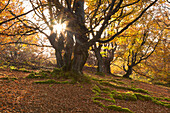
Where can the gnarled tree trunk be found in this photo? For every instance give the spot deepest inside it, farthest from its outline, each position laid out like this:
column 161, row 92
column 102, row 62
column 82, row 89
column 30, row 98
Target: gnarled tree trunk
column 68, row 51
column 80, row 51
column 58, row 45
column 128, row 72
column 80, row 57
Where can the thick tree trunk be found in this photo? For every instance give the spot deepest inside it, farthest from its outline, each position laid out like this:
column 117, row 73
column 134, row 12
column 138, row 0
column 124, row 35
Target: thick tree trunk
column 80, row 52
column 128, row 72
column 107, row 65
column 58, row 46
column 101, row 66
column 80, row 57
column 59, row 58
column 68, row 51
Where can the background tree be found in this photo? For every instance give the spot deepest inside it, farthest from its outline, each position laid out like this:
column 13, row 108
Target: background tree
column 15, row 45
column 105, row 55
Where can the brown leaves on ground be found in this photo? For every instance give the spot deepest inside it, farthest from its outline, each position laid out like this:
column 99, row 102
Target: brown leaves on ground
column 22, row 95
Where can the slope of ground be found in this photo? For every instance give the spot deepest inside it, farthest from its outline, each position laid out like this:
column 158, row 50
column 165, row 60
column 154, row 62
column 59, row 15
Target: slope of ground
column 19, row 94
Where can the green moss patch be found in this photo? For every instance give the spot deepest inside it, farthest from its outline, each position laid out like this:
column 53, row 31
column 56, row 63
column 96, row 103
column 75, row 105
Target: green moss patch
column 106, row 99
column 143, row 97
column 118, row 82
column 33, row 75
column 111, row 107
column 56, row 72
column 9, row 78
column 51, row 81
column 118, row 108
column 100, row 74
column 126, row 88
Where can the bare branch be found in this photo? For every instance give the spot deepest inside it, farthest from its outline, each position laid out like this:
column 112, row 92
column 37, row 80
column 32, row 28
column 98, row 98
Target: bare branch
column 25, row 43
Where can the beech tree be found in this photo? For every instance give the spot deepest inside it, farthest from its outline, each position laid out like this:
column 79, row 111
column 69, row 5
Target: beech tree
column 105, row 55
column 84, row 27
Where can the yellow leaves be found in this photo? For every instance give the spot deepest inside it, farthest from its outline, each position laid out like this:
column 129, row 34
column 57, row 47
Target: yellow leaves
column 162, row 1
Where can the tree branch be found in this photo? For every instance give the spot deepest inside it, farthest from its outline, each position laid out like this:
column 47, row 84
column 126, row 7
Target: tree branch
column 25, row 43
column 127, row 26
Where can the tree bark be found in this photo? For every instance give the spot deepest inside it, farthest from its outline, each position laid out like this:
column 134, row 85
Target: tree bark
column 58, row 46
column 128, row 72
column 107, row 65
column 80, row 51
column 80, row 57
column 101, row 66
column 68, row 51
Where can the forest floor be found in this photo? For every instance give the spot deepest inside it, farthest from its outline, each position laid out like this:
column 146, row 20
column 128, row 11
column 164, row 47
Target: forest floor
column 104, row 94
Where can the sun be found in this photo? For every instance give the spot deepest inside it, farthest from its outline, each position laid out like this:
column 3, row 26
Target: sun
column 59, row 28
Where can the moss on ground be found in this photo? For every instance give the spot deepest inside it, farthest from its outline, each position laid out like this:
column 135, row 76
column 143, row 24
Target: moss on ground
column 33, row 75
column 118, row 108
column 9, row 78
column 76, row 77
column 130, row 96
column 143, row 97
column 51, row 81
column 116, row 81
column 126, row 88
column 100, row 74
column 106, row 99
column 111, row 107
